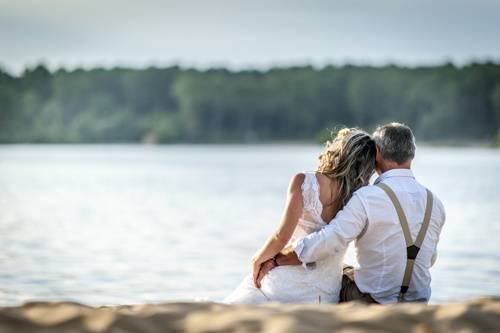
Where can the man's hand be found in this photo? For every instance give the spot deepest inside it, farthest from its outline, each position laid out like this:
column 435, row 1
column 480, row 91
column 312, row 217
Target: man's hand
column 264, row 269
column 288, row 257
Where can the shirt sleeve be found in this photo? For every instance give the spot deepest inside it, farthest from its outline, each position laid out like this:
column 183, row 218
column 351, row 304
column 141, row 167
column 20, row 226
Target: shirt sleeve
column 443, row 219
column 336, row 236
column 434, row 258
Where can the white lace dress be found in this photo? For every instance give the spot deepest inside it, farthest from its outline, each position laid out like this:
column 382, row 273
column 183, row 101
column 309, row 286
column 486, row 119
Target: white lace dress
column 296, row 284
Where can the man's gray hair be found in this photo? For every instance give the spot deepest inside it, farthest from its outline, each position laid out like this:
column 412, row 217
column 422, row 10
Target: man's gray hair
column 396, row 142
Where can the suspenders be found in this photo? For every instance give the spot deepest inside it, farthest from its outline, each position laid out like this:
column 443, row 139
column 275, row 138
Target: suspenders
column 412, row 248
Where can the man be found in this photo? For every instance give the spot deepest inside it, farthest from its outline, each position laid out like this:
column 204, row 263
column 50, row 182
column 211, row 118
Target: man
column 395, row 224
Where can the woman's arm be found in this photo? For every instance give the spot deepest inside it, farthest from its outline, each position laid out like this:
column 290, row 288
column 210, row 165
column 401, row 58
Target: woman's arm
column 280, row 237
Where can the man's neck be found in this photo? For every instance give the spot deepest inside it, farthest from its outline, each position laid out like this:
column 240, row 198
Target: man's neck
column 389, row 165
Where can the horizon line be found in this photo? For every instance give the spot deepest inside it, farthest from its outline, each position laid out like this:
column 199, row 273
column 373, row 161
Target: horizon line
column 235, row 68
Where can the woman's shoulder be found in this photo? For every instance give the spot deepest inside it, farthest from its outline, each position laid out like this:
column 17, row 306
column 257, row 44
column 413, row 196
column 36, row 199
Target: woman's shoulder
column 310, row 176
column 311, row 179
column 304, row 177
column 297, row 181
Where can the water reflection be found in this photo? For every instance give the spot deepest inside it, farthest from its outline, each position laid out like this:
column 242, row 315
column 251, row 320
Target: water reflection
column 127, row 224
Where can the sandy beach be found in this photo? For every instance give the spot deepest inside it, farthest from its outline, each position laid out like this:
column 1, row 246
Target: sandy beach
column 480, row 315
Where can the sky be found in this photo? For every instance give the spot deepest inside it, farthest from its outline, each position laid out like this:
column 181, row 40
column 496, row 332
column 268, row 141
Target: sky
column 241, row 34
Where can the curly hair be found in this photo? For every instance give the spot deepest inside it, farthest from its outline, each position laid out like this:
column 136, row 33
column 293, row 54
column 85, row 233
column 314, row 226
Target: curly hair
column 350, row 160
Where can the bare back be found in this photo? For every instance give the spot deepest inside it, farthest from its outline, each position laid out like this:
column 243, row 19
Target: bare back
column 328, row 189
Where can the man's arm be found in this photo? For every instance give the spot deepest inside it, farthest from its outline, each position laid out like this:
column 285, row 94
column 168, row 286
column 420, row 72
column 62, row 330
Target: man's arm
column 443, row 219
column 287, row 257
column 337, row 235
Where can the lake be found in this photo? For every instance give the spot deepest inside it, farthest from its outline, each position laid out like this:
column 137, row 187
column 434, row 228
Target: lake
column 113, row 224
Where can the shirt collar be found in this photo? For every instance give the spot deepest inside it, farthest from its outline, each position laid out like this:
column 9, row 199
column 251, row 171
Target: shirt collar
column 394, row 173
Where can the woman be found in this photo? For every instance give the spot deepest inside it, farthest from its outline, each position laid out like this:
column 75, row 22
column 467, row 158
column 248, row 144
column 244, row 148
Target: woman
column 313, row 199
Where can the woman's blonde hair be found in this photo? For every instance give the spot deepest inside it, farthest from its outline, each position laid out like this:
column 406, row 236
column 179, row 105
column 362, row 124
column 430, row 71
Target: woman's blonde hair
column 350, row 160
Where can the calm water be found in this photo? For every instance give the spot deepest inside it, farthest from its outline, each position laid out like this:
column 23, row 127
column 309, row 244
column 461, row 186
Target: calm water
column 128, row 224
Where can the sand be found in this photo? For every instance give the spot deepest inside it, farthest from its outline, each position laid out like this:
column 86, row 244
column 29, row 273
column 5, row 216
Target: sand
column 481, row 315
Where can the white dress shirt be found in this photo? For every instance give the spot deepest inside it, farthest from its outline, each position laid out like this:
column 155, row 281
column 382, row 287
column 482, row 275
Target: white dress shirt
column 371, row 220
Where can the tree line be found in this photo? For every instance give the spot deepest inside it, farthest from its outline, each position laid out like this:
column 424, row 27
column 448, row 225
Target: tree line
column 441, row 103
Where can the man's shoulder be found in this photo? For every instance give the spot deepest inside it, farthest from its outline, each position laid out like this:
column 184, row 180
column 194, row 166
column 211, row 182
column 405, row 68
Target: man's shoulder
column 438, row 204
column 440, row 207
column 368, row 194
column 438, row 201
column 367, row 191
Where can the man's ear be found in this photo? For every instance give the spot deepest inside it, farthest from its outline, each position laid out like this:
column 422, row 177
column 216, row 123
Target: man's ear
column 378, row 156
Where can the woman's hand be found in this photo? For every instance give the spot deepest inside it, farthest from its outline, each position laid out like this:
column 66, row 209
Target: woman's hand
column 265, row 267
column 256, row 264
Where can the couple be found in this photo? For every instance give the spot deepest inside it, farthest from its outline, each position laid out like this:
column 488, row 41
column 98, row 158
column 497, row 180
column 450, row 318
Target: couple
column 395, row 224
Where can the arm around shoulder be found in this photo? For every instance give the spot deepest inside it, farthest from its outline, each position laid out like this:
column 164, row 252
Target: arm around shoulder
column 336, row 236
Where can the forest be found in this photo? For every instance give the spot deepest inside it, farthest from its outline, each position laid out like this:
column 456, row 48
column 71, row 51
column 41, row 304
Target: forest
column 444, row 104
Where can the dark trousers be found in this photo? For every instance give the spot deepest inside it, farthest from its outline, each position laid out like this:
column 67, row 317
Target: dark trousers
column 350, row 292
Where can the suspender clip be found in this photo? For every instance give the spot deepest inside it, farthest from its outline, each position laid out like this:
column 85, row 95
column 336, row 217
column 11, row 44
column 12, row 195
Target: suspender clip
column 412, row 251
